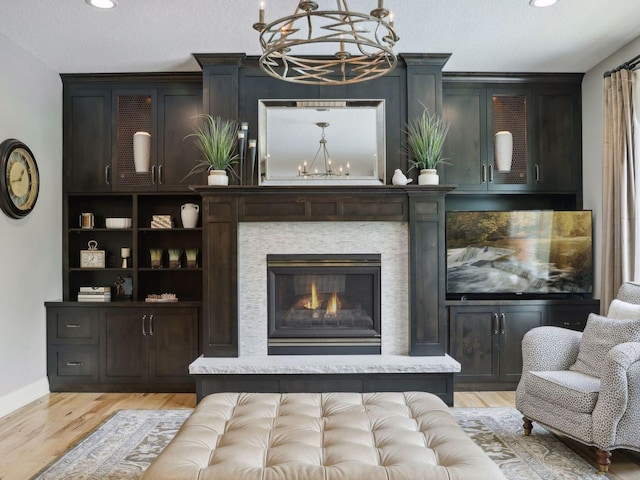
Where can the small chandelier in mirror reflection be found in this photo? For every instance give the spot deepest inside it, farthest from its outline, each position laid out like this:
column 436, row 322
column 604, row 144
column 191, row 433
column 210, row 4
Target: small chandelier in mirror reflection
column 350, row 46
column 305, row 170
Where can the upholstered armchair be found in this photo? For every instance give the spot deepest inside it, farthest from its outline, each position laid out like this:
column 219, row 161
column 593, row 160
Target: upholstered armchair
column 586, row 385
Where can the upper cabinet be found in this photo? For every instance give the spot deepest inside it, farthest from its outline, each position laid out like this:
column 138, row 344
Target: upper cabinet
column 103, row 113
column 543, row 118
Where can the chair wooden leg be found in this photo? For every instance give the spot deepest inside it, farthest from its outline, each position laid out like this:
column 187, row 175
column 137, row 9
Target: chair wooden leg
column 527, row 425
column 604, row 460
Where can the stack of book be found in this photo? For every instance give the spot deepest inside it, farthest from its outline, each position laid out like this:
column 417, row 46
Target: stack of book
column 94, row 294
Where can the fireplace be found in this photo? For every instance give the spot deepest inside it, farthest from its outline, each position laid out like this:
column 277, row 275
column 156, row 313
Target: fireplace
column 323, row 304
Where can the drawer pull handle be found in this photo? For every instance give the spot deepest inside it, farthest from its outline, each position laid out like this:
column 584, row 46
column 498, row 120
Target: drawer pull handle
column 144, row 331
column 502, row 318
column 73, row 325
column 151, row 325
column 495, row 324
column 75, row 364
column 483, row 173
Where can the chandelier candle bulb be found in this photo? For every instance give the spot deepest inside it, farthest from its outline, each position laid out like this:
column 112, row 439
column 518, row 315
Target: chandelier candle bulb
column 261, row 16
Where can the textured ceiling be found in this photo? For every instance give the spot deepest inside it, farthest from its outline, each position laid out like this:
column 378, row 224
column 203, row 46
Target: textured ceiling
column 160, row 35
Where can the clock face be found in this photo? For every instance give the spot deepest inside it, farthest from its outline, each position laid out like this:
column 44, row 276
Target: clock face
column 19, row 180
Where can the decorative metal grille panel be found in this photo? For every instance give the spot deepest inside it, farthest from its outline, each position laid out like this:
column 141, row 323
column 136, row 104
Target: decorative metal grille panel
column 510, row 114
column 134, row 115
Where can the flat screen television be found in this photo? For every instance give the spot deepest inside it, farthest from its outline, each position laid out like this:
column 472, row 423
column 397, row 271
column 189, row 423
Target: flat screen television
column 522, row 252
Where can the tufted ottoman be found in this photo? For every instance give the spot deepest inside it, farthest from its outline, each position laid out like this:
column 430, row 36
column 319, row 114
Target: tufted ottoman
column 322, row 436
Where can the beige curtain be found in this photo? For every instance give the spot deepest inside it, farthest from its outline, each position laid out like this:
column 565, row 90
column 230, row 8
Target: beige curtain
column 619, row 189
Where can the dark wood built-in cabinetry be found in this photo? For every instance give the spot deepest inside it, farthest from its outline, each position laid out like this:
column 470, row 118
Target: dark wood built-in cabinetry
column 543, row 112
column 101, row 114
column 131, row 345
column 127, row 344
column 103, row 347
column 486, row 336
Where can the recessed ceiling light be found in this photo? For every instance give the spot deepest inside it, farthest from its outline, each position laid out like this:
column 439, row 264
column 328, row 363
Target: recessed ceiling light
column 102, row 3
column 542, row 3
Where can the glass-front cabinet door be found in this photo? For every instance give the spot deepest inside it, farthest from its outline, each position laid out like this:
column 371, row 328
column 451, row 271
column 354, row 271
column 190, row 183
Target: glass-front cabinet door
column 475, row 115
column 509, row 155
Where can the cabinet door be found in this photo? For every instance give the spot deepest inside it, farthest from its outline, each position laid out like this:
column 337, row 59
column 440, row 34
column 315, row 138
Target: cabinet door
column 572, row 315
column 124, row 346
column 515, row 321
column 558, row 149
column 87, row 139
column 509, row 110
column 135, row 110
column 466, row 145
column 474, row 342
column 178, row 110
column 173, row 344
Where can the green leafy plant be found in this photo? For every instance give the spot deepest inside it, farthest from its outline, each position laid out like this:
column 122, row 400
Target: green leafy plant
column 425, row 140
column 216, row 140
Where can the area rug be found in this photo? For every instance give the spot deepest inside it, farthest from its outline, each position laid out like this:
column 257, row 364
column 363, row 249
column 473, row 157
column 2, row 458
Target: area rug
column 124, row 445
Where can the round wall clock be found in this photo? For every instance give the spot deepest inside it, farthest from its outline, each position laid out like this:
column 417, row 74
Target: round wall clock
column 19, row 178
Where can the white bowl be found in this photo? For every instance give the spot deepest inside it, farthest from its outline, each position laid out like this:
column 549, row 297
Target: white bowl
column 117, row 222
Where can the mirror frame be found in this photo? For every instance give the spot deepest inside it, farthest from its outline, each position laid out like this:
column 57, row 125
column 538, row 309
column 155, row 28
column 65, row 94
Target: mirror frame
column 343, row 133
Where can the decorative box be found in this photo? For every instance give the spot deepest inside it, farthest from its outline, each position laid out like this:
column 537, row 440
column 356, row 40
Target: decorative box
column 161, row 221
column 92, row 258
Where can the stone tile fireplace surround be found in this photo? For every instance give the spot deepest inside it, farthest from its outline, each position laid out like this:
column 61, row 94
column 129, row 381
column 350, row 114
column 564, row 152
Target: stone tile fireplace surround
column 405, row 225
column 257, row 240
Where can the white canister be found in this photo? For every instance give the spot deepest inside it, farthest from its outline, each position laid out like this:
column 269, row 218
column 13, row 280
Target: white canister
column 218, row 177
column 189, row 215
column 142, row 151
column 428, row 176
column 504, row 151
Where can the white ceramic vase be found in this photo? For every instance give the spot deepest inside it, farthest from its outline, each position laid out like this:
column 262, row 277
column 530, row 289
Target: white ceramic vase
column 189, row 215
column 218, row 177
column 141, row 151
column 428, row 176
column 504, row 151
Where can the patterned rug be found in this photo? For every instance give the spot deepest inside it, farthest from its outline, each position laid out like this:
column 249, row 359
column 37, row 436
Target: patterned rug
column 124, row 445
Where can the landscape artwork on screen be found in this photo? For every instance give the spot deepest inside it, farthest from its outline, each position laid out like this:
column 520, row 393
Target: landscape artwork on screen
column 519, row 252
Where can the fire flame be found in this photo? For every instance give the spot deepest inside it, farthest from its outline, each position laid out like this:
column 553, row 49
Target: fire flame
column 313, row 302
column 333, row 305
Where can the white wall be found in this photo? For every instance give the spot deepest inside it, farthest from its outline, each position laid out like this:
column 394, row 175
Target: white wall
column 592, row 142
column 30, row 248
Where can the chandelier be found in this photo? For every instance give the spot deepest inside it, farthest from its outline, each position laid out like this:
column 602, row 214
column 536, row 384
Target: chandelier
column 361, row 44
column 306, row 170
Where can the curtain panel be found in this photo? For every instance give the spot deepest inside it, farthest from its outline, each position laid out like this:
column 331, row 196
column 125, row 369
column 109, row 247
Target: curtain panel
column 619, row 187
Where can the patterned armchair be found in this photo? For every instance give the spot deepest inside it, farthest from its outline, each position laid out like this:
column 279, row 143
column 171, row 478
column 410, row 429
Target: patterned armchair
column 587, row 385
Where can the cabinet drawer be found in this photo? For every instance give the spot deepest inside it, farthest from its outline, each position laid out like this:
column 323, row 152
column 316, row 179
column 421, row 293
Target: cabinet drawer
column 73, row 326
column 571, row 324
column 77, row 362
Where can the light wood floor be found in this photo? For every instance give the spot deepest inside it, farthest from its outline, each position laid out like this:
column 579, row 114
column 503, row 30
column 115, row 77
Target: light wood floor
column 33, row 436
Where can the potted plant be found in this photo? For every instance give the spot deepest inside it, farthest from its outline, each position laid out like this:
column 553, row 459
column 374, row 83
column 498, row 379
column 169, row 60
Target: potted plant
column 216, row 139
column 425, row 140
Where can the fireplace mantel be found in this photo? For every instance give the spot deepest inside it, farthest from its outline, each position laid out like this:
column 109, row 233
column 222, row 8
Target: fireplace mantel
column 421, row 207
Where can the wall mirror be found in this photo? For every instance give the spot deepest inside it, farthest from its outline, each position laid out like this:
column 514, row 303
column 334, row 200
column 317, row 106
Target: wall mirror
column 321, row 142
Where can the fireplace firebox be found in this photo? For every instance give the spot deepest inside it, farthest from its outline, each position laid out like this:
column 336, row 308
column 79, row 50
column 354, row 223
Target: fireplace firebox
column 323, row 304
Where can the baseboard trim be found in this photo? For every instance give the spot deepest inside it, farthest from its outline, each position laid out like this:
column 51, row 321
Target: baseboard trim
column 19, row 398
